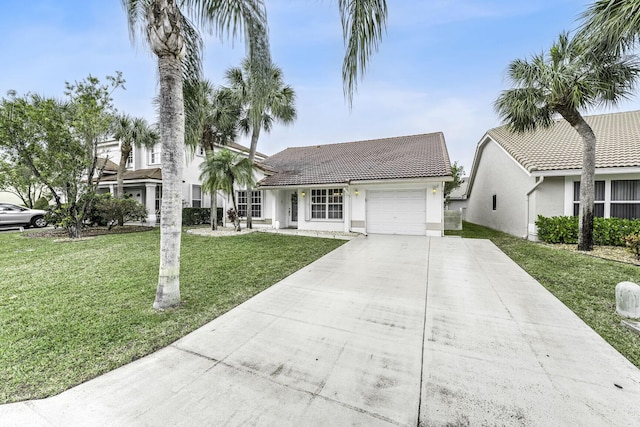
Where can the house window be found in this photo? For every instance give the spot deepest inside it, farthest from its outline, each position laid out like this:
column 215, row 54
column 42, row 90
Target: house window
column 625, row 199
column 196, row 196
column 598, row 209
column 256, row 203
column 129, row 163
column 326, row 203
column 158, row 202
column 154, row 157
column 494, row 202
column 200, row 151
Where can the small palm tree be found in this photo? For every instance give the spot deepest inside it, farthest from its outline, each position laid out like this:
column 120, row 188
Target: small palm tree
column 211, row 118
column 224, row 169
column 565, row 81
column 264, row 101
column 131, row 132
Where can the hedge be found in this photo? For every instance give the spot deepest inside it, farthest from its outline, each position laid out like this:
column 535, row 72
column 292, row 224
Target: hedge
column 606, row 231
column 197, row 216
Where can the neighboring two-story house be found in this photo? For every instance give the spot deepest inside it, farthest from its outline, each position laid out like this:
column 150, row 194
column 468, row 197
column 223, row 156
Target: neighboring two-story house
column 143, row 176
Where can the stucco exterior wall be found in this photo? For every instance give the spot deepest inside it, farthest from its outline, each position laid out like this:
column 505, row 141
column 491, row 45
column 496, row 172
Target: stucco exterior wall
column 498, row 174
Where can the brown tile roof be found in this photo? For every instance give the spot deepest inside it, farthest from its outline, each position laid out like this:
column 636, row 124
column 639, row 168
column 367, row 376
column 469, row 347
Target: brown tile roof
column 560, row 147
column 155, row 173
column 416, row 156
column 242, row 148
column 109, row 166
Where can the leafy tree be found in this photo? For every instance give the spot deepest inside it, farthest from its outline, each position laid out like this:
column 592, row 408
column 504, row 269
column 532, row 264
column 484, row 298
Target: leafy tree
column 221, row 170
column 566, row 81
column 175, row 40
column 264, row 101
column 131, row 132
column 58, row 140
column 211, row 118
column 18, row 179
column 457, row 171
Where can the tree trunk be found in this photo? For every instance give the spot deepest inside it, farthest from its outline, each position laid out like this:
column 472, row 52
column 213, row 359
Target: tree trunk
column 255, row 134
column 214, row 210
column 587, row 179
column 122, row 166
column 236, row 222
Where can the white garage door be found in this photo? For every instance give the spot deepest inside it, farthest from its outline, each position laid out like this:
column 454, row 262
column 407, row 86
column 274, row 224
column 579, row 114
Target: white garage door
column 396, row 212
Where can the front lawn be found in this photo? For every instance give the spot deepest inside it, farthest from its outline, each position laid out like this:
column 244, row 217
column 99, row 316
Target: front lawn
column 70, row 311
column 583, row 283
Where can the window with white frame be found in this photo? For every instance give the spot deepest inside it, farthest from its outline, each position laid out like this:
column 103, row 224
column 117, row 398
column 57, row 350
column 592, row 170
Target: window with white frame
column 625, row 198
column 598, row 208
column 256, row 203
column 196, row 196
column 129, row 163
column 200, row 151
column 154, row 155
column 326, row 203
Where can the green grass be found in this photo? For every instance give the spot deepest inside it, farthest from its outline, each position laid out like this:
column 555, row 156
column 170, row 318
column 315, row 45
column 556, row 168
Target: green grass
column 70, row 311
column 583, row 283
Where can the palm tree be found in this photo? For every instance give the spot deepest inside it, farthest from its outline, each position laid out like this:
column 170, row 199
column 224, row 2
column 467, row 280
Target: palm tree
column 131, row 132
column 612, row 25
column 221, row 170
column 175, row 41
column 264, row 101
column 565, row 81
column 211, row 118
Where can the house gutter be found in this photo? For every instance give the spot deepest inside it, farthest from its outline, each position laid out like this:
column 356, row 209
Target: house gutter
column 526, row 211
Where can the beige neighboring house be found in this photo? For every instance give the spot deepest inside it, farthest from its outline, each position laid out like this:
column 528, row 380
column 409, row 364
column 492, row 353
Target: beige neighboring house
column 384, row 186
column 516, row 177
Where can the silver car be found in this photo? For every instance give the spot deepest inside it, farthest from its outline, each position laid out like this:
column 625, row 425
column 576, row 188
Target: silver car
column 19, row 215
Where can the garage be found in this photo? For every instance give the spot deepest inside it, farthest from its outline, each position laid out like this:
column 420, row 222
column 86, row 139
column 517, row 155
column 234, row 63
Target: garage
column 396, row 212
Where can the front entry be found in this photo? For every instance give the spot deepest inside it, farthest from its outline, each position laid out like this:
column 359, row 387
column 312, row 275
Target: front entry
column 293, row 216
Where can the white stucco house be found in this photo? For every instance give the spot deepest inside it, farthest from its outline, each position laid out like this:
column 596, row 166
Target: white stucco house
column 516, row 177
column 385, row 186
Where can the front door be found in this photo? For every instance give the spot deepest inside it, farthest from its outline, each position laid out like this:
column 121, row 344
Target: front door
column 294, row 208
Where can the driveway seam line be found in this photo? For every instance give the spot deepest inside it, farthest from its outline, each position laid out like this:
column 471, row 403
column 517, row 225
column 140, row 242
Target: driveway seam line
column 424, row 332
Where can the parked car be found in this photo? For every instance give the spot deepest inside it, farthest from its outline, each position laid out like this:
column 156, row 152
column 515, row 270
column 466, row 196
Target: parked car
column 19, row 215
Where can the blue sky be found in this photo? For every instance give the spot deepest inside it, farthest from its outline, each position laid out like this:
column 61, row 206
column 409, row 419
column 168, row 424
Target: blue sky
column 439, row 68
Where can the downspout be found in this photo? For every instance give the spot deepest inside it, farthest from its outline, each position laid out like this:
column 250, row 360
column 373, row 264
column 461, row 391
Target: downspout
column 537, row 184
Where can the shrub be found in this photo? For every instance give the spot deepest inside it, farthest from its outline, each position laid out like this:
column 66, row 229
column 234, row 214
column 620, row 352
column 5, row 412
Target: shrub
column 558, row 229
column 196, row 216
column 113, row 210
column 633, row 243
column 606, row 231
column 41, row 203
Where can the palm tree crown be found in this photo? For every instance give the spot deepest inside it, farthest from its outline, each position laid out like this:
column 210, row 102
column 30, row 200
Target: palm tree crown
column 612, row 25
column 567, row 80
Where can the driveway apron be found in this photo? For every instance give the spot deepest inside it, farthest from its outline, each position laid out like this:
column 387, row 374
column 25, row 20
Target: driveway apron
column 385, row 330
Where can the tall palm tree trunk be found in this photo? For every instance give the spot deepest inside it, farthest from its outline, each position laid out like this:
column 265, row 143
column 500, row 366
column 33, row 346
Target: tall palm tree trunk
column 172, row 136
column 587, row 179
column 122, row 166
column 214, row 210
column 255, row 134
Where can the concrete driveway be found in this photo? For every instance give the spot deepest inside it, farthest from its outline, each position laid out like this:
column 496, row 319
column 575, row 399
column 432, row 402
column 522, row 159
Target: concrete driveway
column 386, row 330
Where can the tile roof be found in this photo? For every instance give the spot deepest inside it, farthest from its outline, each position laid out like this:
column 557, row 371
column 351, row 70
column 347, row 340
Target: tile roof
column 109, row 166
column 415, row 156
column 560, row 147
column 155, row 173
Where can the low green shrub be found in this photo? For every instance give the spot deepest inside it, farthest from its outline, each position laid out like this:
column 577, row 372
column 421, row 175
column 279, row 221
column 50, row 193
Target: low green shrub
column 606, row 231
column 196, row 216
